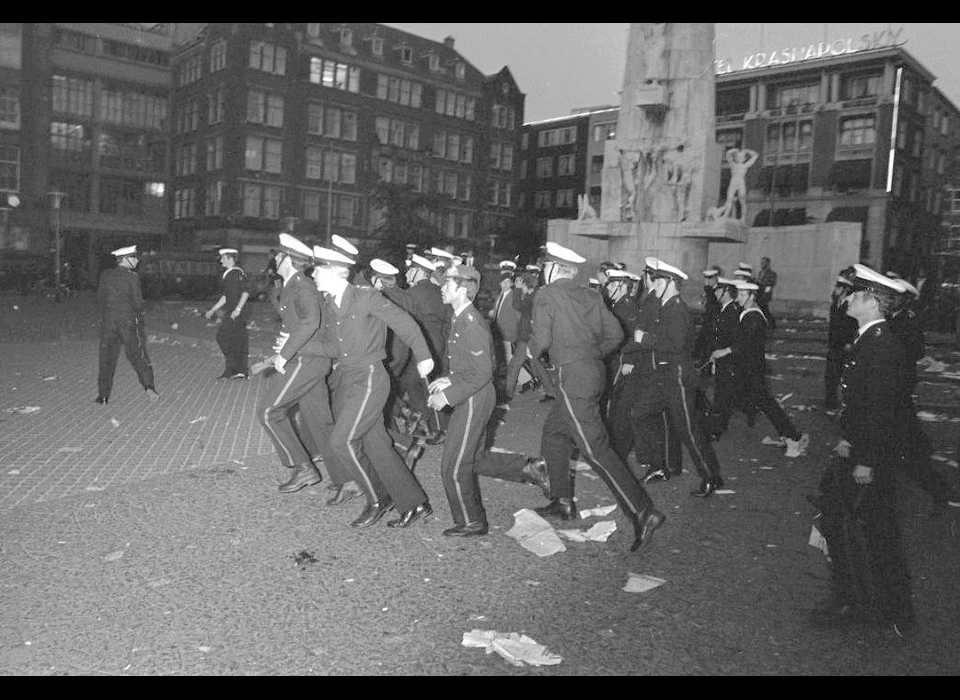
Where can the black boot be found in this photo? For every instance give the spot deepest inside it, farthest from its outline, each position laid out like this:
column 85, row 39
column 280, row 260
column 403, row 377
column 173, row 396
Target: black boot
column 303, row 475
column 564, row 508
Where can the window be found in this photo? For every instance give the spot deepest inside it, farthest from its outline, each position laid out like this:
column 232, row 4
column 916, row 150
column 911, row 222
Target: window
column 383, row 130
column 941, row 162
column 569, row 135
column 261, row 201
column 796, row 95
column 605, row 132
column 945, row 124
column 596, row 165
column 215, row 153
column 186, row 163
column 69, row 141
column 917, row 142
column 348, row 168
column 523, row 168
column 734, row 102
column 256, row 106
column 453, row 147
column 274, row 110
column 857, row 131
column 268, row 58
column 331, row 123
column 400, row 173
column 565, row 198
column 466, row 150
column 349, row 122
column 450, row 184
column 72, row 96
column 314, row 163
column 542, row 200
column 902, row 135
column 464, row 187
column 413, row 136
column 9, row 107
column 189, row 71
column 264, row 154
column 434, row 61
column 857, row 86
column 566, row 165
column 218, row 56
column 544, row 167
column 440, row 144
column 9, row 169
column 346, row 210
column 464, row 229
column 406, row 54
column 134, row 109
column 784, row 137
column 495, row 155
column 396, row 132
column 376, row 45
column 415, row 177
column 331, row 166
column 525, row 141
column 333, row 74
column 346, row 37
column 507, row 161
column 214, row 199
column 312, row 205
column 460, row 70
column 313, row 29
column 215, row 107
column 504, row 196
column 183, row 203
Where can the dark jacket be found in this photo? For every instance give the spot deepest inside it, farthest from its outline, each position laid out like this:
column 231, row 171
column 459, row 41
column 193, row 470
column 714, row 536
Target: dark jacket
column 299, row 312
column 119, row 296
column 671, row 337
column 523, row 304
column 906, row 326
column 572, row 323
column 468, row 356
column 233, row 283
column 432, row 315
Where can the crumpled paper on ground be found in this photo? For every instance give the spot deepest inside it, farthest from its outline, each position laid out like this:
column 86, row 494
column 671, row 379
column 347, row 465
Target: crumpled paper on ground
column 599, row 511
column 22, row 409
column 767, row 440
column 639, row 583
column 931, row 365
column 818, row 540
column 931, row 417
column 535, row 534
column 600, row 532
column 517, row 649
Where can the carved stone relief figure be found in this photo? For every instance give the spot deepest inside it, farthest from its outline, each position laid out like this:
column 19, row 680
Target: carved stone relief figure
column 586, row 212
column 629, row 162
column 740, row 160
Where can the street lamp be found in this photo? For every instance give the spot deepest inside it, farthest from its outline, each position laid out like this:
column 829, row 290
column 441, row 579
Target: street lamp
column 57, row 199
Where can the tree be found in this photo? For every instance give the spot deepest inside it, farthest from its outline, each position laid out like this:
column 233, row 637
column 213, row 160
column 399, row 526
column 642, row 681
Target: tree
column 404, row 219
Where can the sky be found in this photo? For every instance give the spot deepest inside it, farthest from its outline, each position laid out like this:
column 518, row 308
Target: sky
column 564, row 66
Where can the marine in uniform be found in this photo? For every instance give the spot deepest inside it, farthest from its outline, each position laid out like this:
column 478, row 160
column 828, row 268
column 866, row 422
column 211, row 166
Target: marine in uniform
column 841, row 331
column 869, row 571
column 120, row 307
column 675, row 381
column 711, row 311
column 726, row 393
column 750, row 368
column 573, row 324
column 353, row 335
column 300, row 381
column 232, row 336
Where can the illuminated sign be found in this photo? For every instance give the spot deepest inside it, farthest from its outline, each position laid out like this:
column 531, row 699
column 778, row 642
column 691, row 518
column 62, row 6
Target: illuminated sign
column 865, row 42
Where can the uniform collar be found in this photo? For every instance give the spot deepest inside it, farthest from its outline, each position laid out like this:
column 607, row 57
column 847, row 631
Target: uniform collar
column 867, row 326
column 457, row 313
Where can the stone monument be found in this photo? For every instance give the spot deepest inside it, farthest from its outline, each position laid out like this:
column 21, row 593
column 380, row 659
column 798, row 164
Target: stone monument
column 661, row 173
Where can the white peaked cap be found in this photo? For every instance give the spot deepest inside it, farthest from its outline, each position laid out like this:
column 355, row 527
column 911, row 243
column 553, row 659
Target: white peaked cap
column 344, row 245
column 711, row 272
column 667, row 268
column 441, row 253
column 123, row 252
column 382, row 267
column 871, row 279
column 422, row 262
column 743, row 284
column 326, row 256
column 651, row 263
column 742, row 273
column 564, row 255
column 228, row 251
column 294, row 246
column 594, row 280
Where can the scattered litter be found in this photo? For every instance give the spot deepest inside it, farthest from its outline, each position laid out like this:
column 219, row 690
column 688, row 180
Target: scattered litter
column 114, row 556
column 767, row 469
column 116, row 423
column 205, row 649
column 16, row 308
column 477, row 618
column 724, row 492
column 95, row 488
column 531, row 582
column 535, row 534
column 13, row 472
column 198, row 420
column 349, row 580
column 175, row 326
column 931, row 417
column 771, row 546
column 778, row 442
column 818, row 540
column 303, row 557
column 70, row 449
column 931, row 365
column 517, row 649
column 640, row 583
column 158, row 582
column 50, row 378
column 600, row 532
column 22, row 409
column 599, row 511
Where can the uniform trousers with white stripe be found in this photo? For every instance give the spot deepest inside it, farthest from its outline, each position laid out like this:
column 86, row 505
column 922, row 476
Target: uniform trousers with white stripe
column 673, row 392
column 466, row 435
column 359, row 440
column 302, row 383
column 574, row 423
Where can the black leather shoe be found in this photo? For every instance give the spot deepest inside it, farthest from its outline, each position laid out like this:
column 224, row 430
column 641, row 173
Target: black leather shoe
column 345, row 493
column 564, row 508
column 654, row 475
column 468, row 530
column 535, row 472
column 643, row 528
column 303, row 475
column 414, row 452
column 102, row 399
column 706, row 489
column 422, row 512
column 372, row 513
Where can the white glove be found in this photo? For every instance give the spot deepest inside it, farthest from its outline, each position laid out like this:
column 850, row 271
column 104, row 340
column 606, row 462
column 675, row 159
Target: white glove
column 439, row 384
column 625, row 370
column 843, row 449
column 425, row 367
column 280, row 341
column 278, row 364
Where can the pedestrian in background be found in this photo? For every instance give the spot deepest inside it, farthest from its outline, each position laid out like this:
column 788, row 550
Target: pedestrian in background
column 841, row 331
column 766, row 281
column 120, row 307
column 232, row 336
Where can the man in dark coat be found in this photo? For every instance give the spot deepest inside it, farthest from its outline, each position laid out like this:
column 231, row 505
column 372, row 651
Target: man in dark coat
column 120, row 308
column 841, row 331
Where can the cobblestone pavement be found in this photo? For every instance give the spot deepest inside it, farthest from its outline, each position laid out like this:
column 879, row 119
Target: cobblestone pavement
column 163, row 547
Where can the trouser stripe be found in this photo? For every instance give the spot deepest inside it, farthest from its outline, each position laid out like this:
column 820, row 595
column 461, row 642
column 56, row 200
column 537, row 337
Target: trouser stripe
column 459, row 462
column 589, row 448
column 353, row 432
column 686, row 413
column 279, row 400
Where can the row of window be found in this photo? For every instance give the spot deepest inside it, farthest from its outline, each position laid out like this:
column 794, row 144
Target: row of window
column 456, row 104
column 501, row 156
column 452, row 146
column 396, row 132
column 264, row 201
column 9, row 169
column 566, row 166
column 400, row 91
column 332, row 166
column 503, row 117
column 131, row 108
column 452, row 184
column 9, row 107
column 78, row 41
column 334, row 74
column 604, row 132
column 400, row 173
column 268, row 58
column 543, row 199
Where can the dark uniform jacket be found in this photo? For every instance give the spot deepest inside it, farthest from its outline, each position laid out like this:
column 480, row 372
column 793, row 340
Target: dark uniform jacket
column 355, row 334
column 869, row 388
column 468, row 356
column 300, row 313
column 432, row 315
column 748, row 351
column 398, row 352
column 670, row 337
column 233, row 283
column 119, row 296
column 841, row 330
column 726, row 330
column 906, row 326
column 708, row 325
column 627, row 311
column 523, row 304
column 573, row 323
column 506, row 318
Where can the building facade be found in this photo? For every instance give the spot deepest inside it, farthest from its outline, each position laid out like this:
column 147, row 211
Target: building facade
column 298, row 126
column 84, row 142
